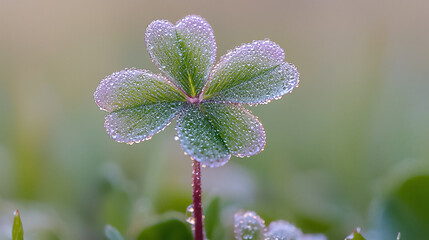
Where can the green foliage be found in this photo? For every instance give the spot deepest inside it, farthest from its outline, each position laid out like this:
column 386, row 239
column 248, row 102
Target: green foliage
column 134, row 87
column 407, row 209
column 17, row 230
column 185, row 51
column 139, row 123
column 251, row 74
column 212, row 223
column 112, row 233
column 116, row 209
column 200, row 138
column 167, row 229
column 241, row 132
column 414, row 194
column 355, row 236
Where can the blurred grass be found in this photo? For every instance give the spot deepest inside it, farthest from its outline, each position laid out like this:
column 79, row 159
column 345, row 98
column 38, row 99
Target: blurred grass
column 359, row 114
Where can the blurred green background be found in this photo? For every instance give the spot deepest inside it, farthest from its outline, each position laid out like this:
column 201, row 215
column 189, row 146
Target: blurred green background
column 348, row 148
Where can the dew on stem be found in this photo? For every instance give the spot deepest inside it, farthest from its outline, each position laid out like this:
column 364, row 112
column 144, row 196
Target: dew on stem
column 190, row 216
column 196, row 208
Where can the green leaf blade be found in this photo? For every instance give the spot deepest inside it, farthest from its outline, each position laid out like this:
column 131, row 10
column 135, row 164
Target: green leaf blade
column 134, row 87
column 212, row 221
column 17, row 229
column 210, row 132
column 406, row 209
column 112, row 233
column 200, row 139
column 186, row 51
column 136, row 124
column 240, row 130
column 167, row 229
column 253, row 73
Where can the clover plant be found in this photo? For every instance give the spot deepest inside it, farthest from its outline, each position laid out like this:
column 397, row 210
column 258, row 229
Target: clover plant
column 248, row 225
column 207, row 98
column 208, row 101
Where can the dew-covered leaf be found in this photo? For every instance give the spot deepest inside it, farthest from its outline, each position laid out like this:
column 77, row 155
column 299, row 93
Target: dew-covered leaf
column 17, row 230
column 248, row 226
column 134, row 87
column 200, row 139
column 186, row 51
column 211, row 132
column 282, row 230
column 112, row 233
column 253, row 73
column 136, row 124
column 241, row 132
column 167, row 229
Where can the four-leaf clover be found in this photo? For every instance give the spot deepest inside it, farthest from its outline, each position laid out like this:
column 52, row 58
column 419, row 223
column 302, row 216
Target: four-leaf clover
column 207, row 99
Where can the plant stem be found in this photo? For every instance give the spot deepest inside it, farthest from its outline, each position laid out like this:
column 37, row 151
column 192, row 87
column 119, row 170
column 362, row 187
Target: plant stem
column 196, row 200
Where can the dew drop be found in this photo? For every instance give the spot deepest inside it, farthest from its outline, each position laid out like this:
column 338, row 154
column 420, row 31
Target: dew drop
column 191, row 219
column 190, row 215
column 113, row 133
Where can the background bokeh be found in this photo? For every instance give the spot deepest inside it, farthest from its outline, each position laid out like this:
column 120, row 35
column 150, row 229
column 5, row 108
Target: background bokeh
column 348, row 148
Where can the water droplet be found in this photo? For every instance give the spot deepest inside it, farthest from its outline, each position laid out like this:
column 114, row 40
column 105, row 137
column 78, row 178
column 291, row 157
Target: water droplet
column 190, row 215
column 191, row 219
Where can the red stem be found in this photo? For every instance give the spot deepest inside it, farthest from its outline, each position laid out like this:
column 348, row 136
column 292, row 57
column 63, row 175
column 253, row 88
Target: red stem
column 196, row 200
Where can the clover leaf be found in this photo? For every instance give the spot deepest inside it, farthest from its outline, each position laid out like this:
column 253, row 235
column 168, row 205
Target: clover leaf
column 249, row 226
column 206, row 99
